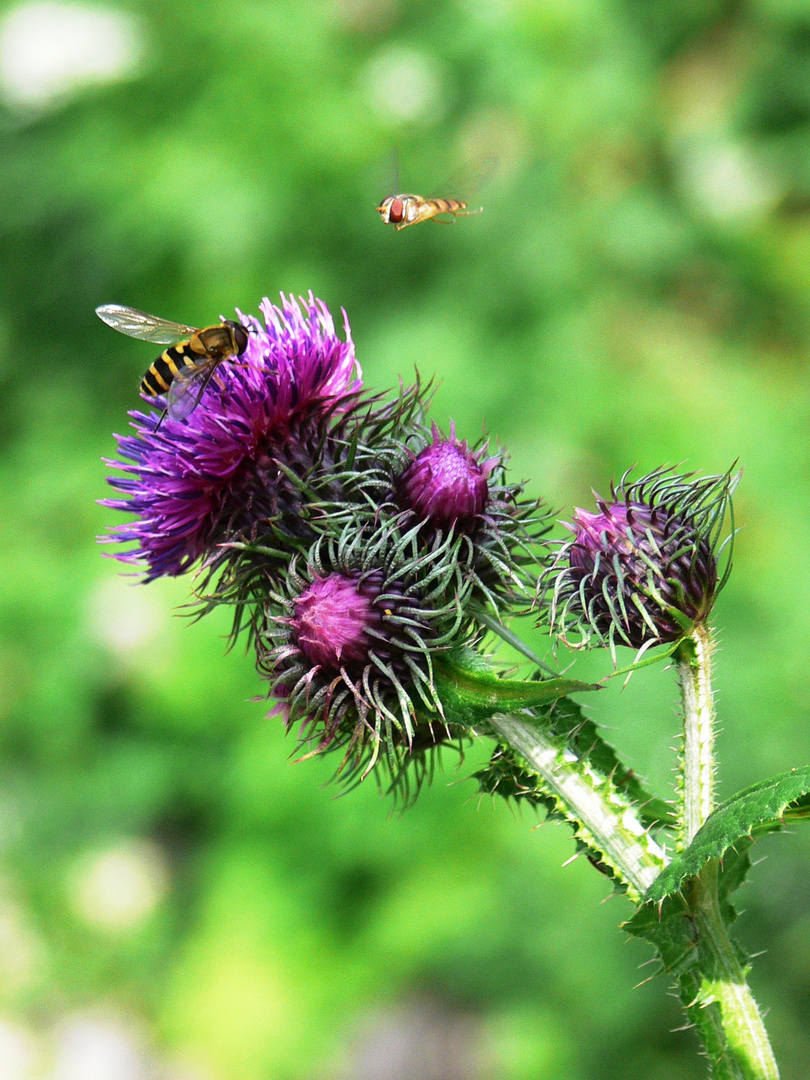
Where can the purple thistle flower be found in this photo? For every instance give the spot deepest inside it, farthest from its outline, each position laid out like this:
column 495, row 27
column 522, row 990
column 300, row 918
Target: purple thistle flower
column 449, row 488
column 334, row 618
column 446, row 483
column 348, row 645
column 644, row 567
column 198, row 483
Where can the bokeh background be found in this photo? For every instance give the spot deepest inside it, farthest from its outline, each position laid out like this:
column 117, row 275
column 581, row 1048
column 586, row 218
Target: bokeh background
column 177, row 900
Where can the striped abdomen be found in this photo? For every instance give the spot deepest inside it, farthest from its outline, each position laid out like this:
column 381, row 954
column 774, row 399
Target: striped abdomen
column 447, row 206
column 164, row 370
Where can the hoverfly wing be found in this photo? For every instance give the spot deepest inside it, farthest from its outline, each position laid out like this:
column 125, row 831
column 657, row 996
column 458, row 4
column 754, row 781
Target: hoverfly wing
column 141, row 325
column 467, row 181
column 187, row 388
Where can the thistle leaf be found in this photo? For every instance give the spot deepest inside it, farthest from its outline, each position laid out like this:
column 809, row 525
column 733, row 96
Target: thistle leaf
column 471, row 694
column 763, row 807
column 581, row 751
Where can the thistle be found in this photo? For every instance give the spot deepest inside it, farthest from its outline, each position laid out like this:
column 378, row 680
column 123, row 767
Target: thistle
column 445, row 484
column 221, row 475
column 348, row 644
column 444, row 488
column 644, row 568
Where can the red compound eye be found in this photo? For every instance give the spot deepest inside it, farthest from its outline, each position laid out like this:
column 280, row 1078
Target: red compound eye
column 396, row 211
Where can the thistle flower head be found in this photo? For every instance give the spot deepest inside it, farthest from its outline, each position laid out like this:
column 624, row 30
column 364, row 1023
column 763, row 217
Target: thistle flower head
column 197, row 483
column 348, row 645
column 336, row 619
column 644, row 567
column 442, row 487
column 446, row 483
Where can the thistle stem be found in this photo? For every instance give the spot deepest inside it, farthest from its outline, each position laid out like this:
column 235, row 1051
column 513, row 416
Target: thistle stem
column 694, row 669
column 716, row 996
column 613, row 825
column 517, row 643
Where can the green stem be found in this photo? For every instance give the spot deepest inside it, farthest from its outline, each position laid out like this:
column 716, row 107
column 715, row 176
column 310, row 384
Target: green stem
column 715, row 995
column 512, row 639
column 611, row 823
column 740, row 1048
column 695, row 671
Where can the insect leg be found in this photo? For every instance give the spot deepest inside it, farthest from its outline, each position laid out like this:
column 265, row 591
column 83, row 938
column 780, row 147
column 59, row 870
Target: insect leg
column 204, row 381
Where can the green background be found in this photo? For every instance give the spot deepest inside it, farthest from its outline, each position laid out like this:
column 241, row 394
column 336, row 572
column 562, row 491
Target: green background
column 636, row 292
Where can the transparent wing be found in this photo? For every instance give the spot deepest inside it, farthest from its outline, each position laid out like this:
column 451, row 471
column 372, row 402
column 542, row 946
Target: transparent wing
column 187, row 388
column 139, row 324
column 467, row 181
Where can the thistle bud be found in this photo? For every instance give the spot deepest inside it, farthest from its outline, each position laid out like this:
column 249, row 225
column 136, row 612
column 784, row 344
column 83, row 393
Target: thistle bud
column 450, row 488
column 644, row 567
column 446, row 483
column 334, row 619
column 348, row 646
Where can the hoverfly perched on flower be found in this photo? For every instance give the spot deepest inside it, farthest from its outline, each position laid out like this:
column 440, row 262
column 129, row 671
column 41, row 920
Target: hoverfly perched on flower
column 182, row 371
column 404, row 210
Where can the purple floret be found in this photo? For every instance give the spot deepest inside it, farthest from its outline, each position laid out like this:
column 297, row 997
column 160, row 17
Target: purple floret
column 193, row 478
column 332, row 619
column 446, row 483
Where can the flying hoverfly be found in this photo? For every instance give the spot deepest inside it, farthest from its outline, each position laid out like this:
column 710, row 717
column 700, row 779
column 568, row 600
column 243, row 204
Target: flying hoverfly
column 182, row 371
column 404, row 210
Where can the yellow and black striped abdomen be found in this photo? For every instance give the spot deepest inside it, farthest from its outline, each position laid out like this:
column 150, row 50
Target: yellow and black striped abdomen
column 164, row 370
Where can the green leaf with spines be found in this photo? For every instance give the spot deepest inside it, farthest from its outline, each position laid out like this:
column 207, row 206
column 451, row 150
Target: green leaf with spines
column 665, row 918
column 509, row 775
column 761, row 808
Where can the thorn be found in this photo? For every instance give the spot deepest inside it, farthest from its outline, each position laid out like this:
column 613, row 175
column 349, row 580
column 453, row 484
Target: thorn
column 645, row 981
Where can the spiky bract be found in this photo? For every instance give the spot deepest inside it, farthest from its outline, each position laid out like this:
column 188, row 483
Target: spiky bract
column 643, row 568
column 363, row 681
column 440, row 488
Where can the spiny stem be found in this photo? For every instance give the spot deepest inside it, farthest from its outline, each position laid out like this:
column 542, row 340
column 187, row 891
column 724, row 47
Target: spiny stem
column 747, row 1052
column 694, row 669
column 715, row 995
column 614, row 826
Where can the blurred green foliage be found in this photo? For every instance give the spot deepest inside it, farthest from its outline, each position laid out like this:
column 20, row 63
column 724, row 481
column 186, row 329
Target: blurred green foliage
column 636, row 292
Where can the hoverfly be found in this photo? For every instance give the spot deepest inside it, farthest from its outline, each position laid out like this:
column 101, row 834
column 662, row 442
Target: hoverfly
column 404, row 210
column 182, row 371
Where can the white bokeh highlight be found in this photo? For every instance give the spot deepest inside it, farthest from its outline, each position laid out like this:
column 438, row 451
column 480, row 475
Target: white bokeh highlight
column 89, row 1048
column 117, row 889
column 124, row 617
column 18, row 1052
column 404, row 84
column 49, row 49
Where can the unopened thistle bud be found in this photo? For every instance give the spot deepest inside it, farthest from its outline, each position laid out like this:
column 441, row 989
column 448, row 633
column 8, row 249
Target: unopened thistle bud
column 644, row 567
column 445, row 487
column 446, row 483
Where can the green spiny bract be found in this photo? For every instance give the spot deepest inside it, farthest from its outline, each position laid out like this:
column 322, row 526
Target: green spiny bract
column 348, row 644
column 645, row 567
